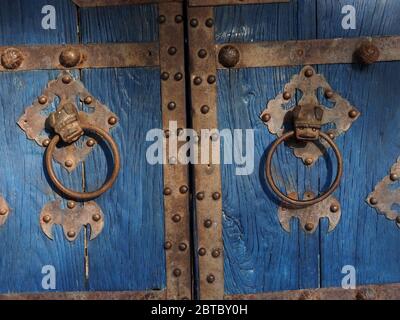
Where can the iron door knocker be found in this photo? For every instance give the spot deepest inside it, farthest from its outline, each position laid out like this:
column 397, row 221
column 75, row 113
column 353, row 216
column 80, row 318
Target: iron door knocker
column 307, row 117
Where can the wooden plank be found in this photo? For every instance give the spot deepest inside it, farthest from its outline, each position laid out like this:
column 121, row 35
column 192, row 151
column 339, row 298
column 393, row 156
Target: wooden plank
column 259, row 255
column 108, row 3
column 129, row 254
column 364, row 239
column 24, row 249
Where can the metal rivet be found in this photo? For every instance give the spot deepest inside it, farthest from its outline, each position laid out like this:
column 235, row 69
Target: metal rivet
column 373, row 201
column 202, row 53
column 229, row 56
column 182, row 246
column 287, row 95
column 3, row 211
column 112, row 121
column 266, row 117
column 172, row 105
column 200, row 196
column 197, row 81
column 164, row 76
column 167, row 191
column 309, row 226
column 90, row 143
column 71, row 234
column 210, row 278
column 178, row 76
column 172, row 51
column 96, row 217
column 183, row 189
column 308, row 161
column 309, row 73
column 172, row 160
column 194, row 23
column 11, row 58
column 42, row 99
column 178, row 18
column 162, row 19
column 300, row 52
column 167, row 245
column 334, row 208
column 176, row 218
column 88, row 100
column 211, row 79
column 68, row 163
column 46, row 218
column 331, row 135
column 71, row 204
column 66, row 79
column 202, row 252
column 367, row 53
column 177, row 272
column 216, row 195
column 70, row 57
column 394, row 177
column 208, row 223
column 398, row 219
column 353, row 113
column 46, row 142
column 209, row 22
column 328, row 94
column 205, row 109
column 216, row 253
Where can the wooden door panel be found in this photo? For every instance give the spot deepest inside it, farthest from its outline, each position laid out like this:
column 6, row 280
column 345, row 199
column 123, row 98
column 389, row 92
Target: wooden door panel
column 129, row 254
column 23, row 246
column 364, row 238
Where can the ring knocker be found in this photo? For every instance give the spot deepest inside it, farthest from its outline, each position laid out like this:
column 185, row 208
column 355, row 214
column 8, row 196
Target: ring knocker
column 307, row 123
column 65, row 122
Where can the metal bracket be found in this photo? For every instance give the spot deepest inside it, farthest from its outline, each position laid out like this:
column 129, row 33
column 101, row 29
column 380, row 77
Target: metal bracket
column 277, row 118
column 309, row 216
column 72, row 218
column 4, row 211
column 384, row 198
column 69, row 91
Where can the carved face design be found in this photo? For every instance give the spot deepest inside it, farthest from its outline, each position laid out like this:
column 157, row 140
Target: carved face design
column 307, row 121
column 65, row 122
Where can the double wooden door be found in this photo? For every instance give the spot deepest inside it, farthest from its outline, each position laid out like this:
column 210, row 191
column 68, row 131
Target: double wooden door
column 201, row 230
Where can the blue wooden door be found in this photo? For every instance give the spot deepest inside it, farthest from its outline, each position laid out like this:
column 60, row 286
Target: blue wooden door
column 129, row 253
column 259, row 255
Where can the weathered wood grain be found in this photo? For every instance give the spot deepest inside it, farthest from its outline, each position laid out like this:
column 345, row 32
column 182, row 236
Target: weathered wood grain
column 259, row 254
column 24, row 249
column 364, row 239
column 129, row 253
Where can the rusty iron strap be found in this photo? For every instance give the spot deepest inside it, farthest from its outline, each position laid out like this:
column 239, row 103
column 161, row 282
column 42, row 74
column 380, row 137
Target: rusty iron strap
column 206, row 3
column 176, row 176
column 95, row 295
column 368, row 292
column 45, row 57
column 291, row 53
column 103, row 3
column 207, row 176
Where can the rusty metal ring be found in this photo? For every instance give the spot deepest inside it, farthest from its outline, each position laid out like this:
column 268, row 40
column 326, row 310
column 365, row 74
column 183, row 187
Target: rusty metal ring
column 303, row 203
column 83, row 196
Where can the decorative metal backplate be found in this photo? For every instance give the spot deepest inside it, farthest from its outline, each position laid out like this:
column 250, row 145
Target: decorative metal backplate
column 72, row 218
column 309, row 216
column 67, row 90
column 277, row 116
column 386, row 196
column 4, row 211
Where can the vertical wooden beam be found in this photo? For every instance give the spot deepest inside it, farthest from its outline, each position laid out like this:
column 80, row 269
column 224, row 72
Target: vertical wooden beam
column 176, row 178
column 203, row 79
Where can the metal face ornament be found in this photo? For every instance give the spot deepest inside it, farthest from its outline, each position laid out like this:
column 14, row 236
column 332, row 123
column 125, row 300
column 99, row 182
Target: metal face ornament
column 301, row 128
column 68, row 125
